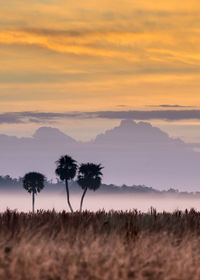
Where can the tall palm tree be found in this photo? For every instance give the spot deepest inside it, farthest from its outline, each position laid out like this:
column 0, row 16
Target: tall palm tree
column 33, row 182
column 66, row 170
column 89, row 177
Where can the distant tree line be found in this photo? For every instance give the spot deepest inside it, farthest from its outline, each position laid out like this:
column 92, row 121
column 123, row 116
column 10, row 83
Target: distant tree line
column 86, row 176
column 9, row 181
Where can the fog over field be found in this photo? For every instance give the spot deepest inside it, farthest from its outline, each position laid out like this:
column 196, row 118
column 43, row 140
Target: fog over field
column 95, row 202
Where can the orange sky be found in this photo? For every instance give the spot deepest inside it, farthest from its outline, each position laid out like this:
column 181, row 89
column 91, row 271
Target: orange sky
column 80, row 55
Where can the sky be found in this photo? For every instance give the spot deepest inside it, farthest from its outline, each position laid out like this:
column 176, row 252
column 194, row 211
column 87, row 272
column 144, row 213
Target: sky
column 71, row 57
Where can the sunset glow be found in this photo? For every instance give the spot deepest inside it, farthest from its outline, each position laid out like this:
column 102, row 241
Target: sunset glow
column 64, row 56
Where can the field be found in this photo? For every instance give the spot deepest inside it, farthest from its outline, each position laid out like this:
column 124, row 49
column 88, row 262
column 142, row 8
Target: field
column 94, row 246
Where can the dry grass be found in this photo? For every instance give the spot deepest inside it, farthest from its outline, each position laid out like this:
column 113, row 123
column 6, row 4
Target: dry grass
column 94, row 246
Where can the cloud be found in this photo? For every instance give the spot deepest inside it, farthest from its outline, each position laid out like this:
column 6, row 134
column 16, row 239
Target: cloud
column 37, row 117
column 168, row 115
column 10, row 118
column 171, row 106
column 136, row 38
column 40, row 77
column 43, row 117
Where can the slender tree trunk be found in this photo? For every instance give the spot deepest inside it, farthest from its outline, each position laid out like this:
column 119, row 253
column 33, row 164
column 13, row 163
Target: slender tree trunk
column 33, row 202
column 67, row 191
column 83, row 195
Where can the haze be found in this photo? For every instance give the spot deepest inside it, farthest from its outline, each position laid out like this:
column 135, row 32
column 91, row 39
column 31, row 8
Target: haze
column 132, row 153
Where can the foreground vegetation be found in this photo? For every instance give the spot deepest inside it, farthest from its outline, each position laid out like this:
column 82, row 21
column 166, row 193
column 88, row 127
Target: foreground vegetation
column 94, row 246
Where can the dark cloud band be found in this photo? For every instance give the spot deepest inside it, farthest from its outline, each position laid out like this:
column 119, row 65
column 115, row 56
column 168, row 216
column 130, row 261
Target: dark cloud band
column 42, row 117
column 170, row 106
column 169, row 115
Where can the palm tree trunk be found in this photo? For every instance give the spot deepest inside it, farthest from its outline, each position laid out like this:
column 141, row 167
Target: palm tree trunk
column 33, row 202
column 83, row 195
column 67, row 191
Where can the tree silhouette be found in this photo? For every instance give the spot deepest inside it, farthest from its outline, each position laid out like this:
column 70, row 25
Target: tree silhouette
column 89, row 177
column 33, row 182
column 66, row 170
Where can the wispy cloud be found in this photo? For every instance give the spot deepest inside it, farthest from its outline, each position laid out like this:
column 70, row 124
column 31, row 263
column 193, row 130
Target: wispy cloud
column 40, row 77
column 171, row 106
column 121, row 106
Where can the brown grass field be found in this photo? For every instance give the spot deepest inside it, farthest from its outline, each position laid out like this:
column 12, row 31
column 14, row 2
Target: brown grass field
column 94, row 246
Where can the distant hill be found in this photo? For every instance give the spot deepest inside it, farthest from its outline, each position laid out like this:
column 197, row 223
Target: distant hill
column 132, row 153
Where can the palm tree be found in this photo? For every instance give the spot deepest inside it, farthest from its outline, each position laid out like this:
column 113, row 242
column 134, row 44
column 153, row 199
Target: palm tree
column 33, row 182
column 89, row 177
column 66, row 170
